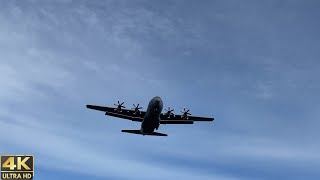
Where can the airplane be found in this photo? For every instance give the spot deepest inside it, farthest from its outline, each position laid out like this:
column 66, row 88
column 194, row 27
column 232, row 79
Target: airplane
column 150, row 119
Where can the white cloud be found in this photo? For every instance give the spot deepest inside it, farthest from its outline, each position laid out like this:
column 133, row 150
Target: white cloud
column 78, row 154
column 30, row 74
column 228, row 148
column 94, row 57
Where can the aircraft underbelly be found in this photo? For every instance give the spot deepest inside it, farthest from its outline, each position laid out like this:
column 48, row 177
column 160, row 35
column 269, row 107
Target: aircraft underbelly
column 149, row 124
column 151, row 120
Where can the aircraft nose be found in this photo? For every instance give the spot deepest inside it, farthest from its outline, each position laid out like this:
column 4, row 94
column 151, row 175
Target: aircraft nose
column 158, row 100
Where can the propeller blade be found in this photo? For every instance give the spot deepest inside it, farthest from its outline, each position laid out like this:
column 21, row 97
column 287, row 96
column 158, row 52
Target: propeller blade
column 138, row 105
column 118, row 102
column 122, row 103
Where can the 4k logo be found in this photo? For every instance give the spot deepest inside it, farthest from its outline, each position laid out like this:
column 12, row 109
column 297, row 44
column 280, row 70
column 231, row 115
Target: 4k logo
column 17, row 166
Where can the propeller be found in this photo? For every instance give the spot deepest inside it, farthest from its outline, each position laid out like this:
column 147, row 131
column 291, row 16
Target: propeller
column 120, row 105
column 136, row 108
column 169, row 111
column 185, row 113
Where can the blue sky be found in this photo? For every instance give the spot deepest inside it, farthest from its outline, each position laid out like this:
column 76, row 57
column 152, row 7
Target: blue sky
column 253, row 65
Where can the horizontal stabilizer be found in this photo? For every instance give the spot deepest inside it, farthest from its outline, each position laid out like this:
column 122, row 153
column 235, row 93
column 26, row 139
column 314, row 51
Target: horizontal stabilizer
column 132, row 131
column 139, row 132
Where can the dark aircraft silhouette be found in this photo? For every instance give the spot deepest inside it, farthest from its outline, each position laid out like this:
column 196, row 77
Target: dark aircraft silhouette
column 152, row 118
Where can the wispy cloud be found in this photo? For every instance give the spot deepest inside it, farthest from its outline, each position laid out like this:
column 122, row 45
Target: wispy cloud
column 32, row 75
column 76, row 152
column 55, row 58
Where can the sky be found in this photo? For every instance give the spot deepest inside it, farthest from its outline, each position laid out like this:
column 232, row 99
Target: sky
column 252, row 65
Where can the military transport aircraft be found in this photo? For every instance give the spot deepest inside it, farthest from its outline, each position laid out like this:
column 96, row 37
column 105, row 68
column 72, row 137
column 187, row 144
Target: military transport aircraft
column 152, row 118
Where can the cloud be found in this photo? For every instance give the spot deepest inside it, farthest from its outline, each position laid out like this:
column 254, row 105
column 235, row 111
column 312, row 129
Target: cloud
column 36, row 75
column 55, row 58
column 76, row 152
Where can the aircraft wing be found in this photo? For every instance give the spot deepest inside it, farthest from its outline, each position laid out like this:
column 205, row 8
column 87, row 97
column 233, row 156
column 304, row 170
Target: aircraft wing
column 179, row 119
column 176, row 121
column 197, row 118
column 124, row 113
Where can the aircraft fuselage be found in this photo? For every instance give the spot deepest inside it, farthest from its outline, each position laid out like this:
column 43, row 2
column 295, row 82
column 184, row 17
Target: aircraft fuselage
column 151, row 119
